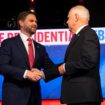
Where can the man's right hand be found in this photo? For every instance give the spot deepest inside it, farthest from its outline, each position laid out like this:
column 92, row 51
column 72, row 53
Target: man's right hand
column 61, row 69
column 34, row 75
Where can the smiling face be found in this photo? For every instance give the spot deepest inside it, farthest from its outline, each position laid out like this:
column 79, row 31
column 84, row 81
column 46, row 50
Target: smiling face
column 28, row 24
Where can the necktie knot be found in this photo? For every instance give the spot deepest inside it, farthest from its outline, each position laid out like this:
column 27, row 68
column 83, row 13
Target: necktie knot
column 74, row 36
column 29, row 41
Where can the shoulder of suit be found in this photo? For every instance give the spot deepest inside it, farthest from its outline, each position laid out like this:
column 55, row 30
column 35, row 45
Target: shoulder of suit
column 8, row 40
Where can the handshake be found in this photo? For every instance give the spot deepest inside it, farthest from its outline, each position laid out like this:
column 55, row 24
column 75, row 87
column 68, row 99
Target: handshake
column 35, row 74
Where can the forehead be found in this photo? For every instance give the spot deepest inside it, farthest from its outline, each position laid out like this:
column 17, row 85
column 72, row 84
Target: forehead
column 31, row 16
column 70, row 14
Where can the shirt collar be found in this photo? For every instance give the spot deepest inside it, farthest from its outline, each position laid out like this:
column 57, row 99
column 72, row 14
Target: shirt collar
column 78, row 30
column 24, row 37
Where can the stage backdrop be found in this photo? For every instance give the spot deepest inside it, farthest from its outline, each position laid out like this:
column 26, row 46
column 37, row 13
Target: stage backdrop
column 56, row 41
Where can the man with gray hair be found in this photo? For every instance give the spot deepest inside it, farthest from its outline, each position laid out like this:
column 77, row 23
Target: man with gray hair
column 80, row 70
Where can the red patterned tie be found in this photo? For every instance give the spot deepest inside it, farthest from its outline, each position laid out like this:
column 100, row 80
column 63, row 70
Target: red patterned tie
column 30, row 52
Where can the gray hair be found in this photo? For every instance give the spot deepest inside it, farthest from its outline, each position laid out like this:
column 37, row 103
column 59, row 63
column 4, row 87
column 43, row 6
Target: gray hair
column 82, row 11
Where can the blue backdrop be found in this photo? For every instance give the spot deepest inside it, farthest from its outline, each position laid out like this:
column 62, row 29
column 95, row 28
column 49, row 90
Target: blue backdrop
column 51, row 90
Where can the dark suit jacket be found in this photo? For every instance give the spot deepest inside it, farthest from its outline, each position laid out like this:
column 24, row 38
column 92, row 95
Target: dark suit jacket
column 13, row 63
column 81, row 81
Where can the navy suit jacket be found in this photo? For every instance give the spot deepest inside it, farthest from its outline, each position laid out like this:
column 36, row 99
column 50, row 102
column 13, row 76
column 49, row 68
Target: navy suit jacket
column 81, row 81
column 13, row 63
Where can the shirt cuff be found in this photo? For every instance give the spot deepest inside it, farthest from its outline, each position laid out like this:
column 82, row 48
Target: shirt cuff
column 64, row 67
column 43, row 75
column 24, row 76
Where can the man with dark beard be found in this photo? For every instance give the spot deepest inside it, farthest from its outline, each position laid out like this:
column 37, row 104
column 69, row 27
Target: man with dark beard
column 19, row 56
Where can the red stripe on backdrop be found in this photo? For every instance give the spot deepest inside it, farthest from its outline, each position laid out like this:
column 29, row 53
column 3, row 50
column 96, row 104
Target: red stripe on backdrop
column 48, row 102
column 103, row 103
column 51, row 102
column 55, row 102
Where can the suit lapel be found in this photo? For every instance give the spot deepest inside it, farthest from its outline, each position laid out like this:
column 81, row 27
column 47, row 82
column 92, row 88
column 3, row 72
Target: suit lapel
column 72, row 42
column 22, row 48
column 36, row 46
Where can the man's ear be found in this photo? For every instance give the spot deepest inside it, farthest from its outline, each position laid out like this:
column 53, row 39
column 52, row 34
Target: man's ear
column 76, row 17
column 20, row 23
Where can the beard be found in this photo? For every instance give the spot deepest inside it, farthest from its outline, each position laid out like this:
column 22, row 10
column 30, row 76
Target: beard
column 30, row 30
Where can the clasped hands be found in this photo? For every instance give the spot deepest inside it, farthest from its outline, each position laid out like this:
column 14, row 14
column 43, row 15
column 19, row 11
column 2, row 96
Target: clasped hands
column 34, row 74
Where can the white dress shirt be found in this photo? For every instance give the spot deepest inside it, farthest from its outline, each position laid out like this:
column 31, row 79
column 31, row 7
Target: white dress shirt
column 25, row 42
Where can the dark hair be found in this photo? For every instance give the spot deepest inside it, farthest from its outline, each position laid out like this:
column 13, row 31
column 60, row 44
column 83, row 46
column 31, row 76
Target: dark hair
column 22, row 16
